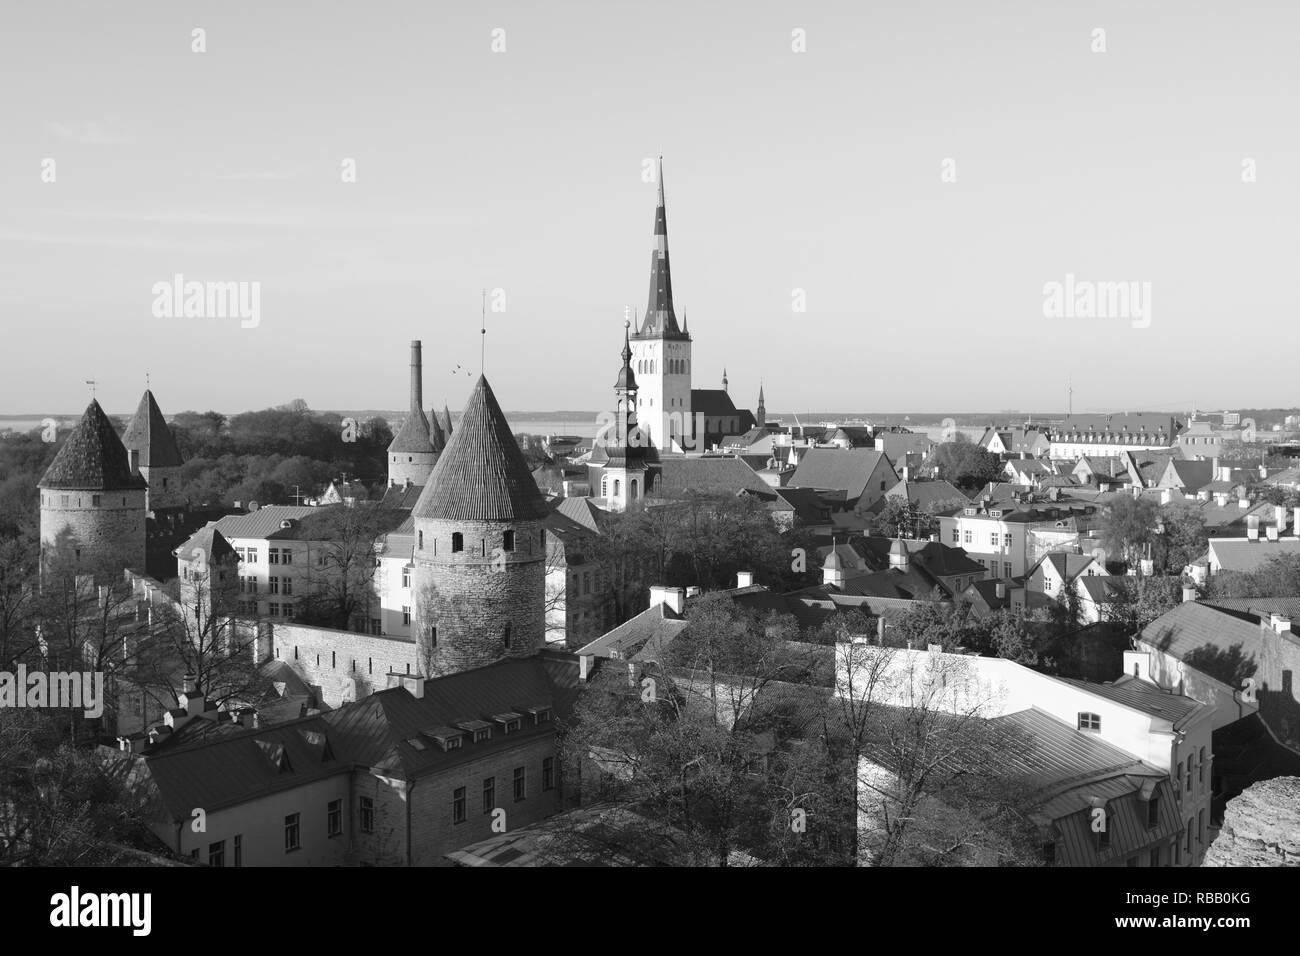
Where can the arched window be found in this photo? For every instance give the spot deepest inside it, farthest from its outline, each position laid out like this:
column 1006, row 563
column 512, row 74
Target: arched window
column 457, row 542
column 632, row 489
column 420, row 536
column 616, row 487
column 604, row 486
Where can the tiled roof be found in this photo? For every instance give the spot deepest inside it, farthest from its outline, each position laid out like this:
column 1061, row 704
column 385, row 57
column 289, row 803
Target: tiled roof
column 1207, row 632
column 712, row 403
column 148, row 433
column 482, row 475
column 208, row 540
column 1244, row 555
column 838, row 469
column 400, row 497
column 925, row 494
column 93, row 458
column 650, row 630
column 708, row 475
column 413, row 436
column 583, row 512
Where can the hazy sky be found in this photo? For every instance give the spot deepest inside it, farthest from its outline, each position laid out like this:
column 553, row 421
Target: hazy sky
column 522, row 171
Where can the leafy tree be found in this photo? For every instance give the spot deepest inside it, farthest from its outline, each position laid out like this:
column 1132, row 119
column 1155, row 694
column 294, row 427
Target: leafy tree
column 966, row 465
column 1184, row 539
column 1128, row 525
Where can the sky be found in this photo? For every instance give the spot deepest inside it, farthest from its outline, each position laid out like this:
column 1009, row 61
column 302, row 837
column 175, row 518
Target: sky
column 914, row 172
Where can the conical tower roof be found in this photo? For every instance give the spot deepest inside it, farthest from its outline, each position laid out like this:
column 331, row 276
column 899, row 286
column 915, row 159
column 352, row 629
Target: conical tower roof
column 93, row 458
column 413, row 436
column 445, row 422
column 660, row 319
column 437, row 437
column 482, row 474
column 149, row 434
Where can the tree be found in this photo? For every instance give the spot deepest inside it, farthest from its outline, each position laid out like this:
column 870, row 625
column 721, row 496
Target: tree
column 966, row 465
column 1279, row 576
column 1184, row 538
column 340, row 590
column 1128, row 525
column 1142, row 599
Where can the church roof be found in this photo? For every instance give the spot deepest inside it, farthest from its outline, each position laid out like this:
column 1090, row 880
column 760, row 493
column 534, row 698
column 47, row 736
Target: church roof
column 482, row 474
column 149, row 434
column 93, row 458
column 413, row 436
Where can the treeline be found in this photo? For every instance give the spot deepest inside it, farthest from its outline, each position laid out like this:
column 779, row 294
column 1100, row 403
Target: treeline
column 265, row 456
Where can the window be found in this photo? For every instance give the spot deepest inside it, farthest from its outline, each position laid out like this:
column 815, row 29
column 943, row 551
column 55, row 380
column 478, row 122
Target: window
column 274, row 585
column 542, row 716
column 286, row 585
column 1155, row 856
column 1200, row 768
column 457, row 542
column 433, row 635
column 420, row 545
column 483, row 733
column 406, row 577
column 882, row 486
column 1006, row 540
column 273, row 556
column 217, row 853
column 334, row 818
column 252, row 555
column 291, row 834
column 548, row 773
column 1189, row 839
column 286, row 556
column 458, row 805
column 252, row 585
column 969, row 537
column 1089, row 721
column 506, row 636
column 406, row 614
column 94, row 501
column 273, row 609
column 956, row 536
column 243, row 584
column 194, row 854
column 367, row 814
column 508, row 541
column 993, row 538
column 1200, row 826
column 239, row 849
column 1189, row 773
column 521, row 790
column 489, row 794
column 1006, row 569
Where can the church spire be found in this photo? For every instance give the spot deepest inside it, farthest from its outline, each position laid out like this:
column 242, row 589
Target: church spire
column 724, row 378
column 659, row 317
column 762, row 407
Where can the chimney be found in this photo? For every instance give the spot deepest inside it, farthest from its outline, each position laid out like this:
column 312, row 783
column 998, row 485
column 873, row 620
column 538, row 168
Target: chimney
column 744, row 579
column 1138, row 664
column 1271, row 531
column 1214, row 468
column 417, row 379
column 1166, row 496
column 1221, row 498
column 189, row 684
column 1279, row 624
column 131, row 745
column 660, row 594
column 1263, row 472
column 414, row 684
column 1000, row 590
column 1189, row 593
column 1252, row 527
column 1243, row 502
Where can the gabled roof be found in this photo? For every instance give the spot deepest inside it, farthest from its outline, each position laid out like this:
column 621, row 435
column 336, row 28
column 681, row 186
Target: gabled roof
column 1103, row 588
column 582, row 511
column 1067, row 566
column 708, row 475
column 651, row 630
column 92, row 459
column 482, row 475
column 712, row 403
column 208, row 541
column 1239, row 554
column 264, row 522
column 839, row 469
column 1209, row 637
column 148, row 433
column 400, row 497
column 1140, row 695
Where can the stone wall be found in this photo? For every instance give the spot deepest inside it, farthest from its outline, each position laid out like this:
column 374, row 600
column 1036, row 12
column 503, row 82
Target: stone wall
column 109, row 534
column 487, row 603
column 344, row 665
column 412, row 466
column 1261, row 826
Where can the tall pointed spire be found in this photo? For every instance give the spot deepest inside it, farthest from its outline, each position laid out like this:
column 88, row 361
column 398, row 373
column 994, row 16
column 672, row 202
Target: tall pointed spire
column 659, row 317
column 761, row 417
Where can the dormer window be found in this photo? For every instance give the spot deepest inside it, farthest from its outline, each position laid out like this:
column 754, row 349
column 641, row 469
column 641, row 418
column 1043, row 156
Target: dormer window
column 482, row 734
column 1089, row 721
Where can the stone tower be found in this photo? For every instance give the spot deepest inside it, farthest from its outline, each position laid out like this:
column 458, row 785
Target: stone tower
column 411, row 455
column 151, row 450
column 92, row 503
column 480, row 548
column 661, row 350
column 622, row 480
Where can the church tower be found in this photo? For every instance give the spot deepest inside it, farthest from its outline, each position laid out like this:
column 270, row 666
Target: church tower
column 480, row 548
column 760, row 417
column 661, row 351
column 622, row 479
column 411, row 455
column 151, row 450
column 92, row 503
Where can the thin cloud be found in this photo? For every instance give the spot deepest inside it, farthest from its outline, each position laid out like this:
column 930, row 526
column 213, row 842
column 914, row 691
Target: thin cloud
column 90, row 132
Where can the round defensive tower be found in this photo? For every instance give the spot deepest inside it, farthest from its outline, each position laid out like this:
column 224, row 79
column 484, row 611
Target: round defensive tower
column 92, row 503
column 480, row 549
column 411, row 454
